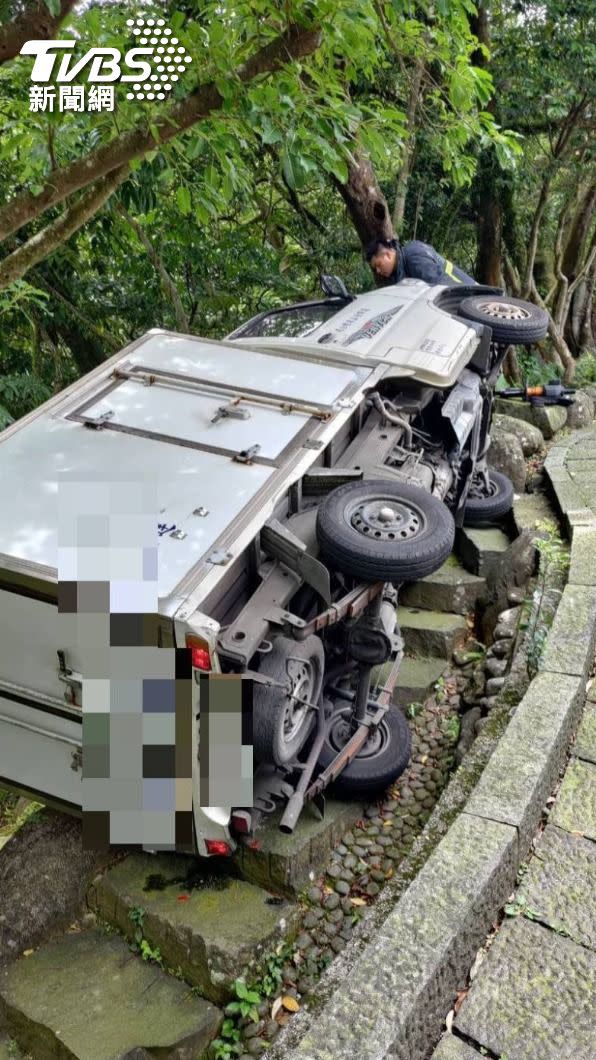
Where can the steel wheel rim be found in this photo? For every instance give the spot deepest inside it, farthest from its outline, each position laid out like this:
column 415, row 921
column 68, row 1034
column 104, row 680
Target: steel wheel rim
column 340, row 731
column 504, row 311
column 296, row 710
column 382, row 518
column 480, row 493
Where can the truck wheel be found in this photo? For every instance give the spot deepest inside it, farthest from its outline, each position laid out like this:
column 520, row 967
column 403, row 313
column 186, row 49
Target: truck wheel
column 481, row 510
column 382, row 760
column 281, row 721
column 384, row 531
column 511, row 320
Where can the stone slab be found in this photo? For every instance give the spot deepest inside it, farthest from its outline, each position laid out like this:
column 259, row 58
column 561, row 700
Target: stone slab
column 450, row 588
column 417, row 679
column 585, row 482
column 575, row 808
column 525, row 765
column 529, row 509
column 533, row 998
column 452, row 1048
column 61, row 1003
column 578, row 517
column 584, row 450
column 434, row 633
column 582, row 570
column 482, row 550
column 286, row 864
column 398, row 991
column 585, row 741
column 570, row 644
column 210, row 926
column 580, row 463
column 560, row 884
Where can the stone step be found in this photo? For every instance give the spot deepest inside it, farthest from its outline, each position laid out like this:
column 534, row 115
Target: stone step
column 450, row 588
column 206, row 924
column 431, row 633
column 417, row 679
column 88, row 997
column 286, row 864
column 482, row 549
column 530, row 509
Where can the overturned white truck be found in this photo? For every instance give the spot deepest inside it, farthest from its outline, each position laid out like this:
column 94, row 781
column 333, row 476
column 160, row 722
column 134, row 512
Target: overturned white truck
column 306, row 466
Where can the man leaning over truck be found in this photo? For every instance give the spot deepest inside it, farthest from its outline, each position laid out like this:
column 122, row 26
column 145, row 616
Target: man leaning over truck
column 391, row 263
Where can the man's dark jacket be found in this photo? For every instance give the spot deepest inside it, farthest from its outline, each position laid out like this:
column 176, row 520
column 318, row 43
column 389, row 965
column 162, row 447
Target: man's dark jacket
column 422, row 262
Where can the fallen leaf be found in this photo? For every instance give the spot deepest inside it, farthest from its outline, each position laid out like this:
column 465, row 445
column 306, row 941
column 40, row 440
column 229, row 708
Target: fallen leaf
column 387, row 824
column 389, row 874
column 461, row 995
column 357, row 901
column 276, row 1006
column 183, row 898
column 449, row 1020
column 290, row 1003
column 27, row 953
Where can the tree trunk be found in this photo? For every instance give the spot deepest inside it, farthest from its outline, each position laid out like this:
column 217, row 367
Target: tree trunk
column 403, row 176
column 489, row 229
column 365, row 201
column 489, row 180
column 578, row 231
column 587, row 337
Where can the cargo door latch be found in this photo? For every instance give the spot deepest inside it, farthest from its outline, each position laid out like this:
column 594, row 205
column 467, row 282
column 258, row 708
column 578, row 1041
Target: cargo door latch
column 72, row 680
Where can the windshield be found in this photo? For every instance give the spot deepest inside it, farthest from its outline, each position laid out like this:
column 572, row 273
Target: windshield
column 294, row 323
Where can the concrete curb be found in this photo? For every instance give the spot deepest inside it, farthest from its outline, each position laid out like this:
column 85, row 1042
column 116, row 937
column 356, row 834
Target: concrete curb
column 387, row 994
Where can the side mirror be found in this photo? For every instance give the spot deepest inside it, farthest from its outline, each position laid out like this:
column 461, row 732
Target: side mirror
column 333, row 286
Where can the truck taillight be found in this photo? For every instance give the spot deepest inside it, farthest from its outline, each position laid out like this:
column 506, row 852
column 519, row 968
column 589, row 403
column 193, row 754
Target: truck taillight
column 218, row 846
column 199, row 652
column 241, row 821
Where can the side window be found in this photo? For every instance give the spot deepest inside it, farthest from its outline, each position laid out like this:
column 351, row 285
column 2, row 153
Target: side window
column 295, row 322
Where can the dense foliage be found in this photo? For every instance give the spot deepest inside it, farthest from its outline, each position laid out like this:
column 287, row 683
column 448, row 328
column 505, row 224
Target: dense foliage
column 472, row 126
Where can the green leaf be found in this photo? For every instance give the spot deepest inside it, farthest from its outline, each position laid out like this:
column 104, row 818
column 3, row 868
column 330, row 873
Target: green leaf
column 183, row 199
column 53, row 7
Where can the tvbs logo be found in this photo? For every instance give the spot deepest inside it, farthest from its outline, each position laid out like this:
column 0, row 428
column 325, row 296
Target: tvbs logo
column 151, row 67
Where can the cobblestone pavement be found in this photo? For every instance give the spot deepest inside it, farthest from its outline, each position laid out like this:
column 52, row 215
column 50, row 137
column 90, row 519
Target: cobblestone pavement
column 532, row 997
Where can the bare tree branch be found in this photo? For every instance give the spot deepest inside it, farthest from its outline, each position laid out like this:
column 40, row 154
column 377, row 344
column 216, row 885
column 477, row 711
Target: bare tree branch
column 43, row 243
column 295, row 43
column 36, row 22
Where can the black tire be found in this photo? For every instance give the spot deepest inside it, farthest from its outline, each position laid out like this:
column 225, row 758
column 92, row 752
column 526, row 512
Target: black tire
column 482, row 510
column 300, row 666
column 511, row 320
column 377, row 766
column 354, row 541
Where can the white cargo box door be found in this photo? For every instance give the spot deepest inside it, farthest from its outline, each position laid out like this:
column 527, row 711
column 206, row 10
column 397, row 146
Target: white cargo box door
column 213, row 421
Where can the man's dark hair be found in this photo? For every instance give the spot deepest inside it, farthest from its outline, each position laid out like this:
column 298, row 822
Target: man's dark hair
column 372, row 247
